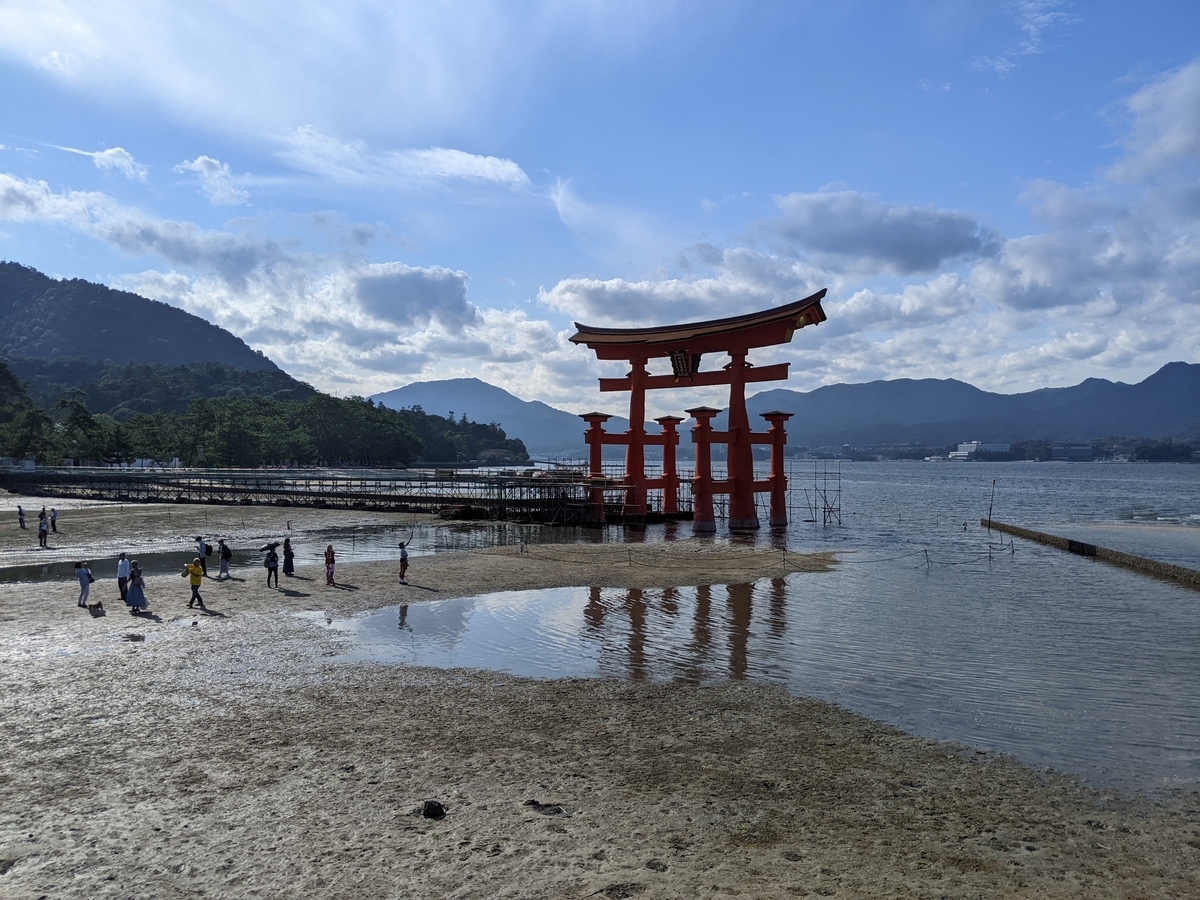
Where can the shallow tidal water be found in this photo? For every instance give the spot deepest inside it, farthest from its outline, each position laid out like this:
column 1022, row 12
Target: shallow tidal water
column 955, row 634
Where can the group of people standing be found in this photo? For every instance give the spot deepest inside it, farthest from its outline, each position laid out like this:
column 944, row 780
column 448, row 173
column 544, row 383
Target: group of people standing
column 46, row 524
column 130, row 582
column 271, row 561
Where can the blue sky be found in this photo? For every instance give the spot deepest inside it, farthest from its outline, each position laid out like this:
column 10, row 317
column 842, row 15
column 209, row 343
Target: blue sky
column 378, row 193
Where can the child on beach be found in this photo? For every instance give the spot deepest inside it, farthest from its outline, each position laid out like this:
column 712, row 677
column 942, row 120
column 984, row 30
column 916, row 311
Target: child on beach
column 330, row 562
column 403, row 560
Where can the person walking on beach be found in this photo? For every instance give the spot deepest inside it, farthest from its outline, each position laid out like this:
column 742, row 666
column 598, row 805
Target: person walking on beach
column 403, row 561
column 137, row 590
column 84, row 574
column 330, row 564
column 43, row 530
column 194, row 572
column 54, row 520
column 272, row 564
column 289, row 558
column 225, row 555
column 202, row 552
column 123, row 578
column 21, row 516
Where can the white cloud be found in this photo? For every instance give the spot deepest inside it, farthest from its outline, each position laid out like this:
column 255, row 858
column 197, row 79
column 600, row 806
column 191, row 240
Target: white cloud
column 121, row 160
column 113, row 158
column 744, row 281
column 353, row 163
column 1165, row 132
column 216, row 181
column 316, row 324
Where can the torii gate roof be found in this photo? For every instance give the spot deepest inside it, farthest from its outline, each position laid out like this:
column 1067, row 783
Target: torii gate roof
column 758, row 329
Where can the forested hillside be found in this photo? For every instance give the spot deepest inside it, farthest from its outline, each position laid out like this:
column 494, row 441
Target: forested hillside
column 122, row 391
column 43, row 318
column 244, row 432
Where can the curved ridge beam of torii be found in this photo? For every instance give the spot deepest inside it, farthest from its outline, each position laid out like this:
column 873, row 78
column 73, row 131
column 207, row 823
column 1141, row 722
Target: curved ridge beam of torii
column 685, row 345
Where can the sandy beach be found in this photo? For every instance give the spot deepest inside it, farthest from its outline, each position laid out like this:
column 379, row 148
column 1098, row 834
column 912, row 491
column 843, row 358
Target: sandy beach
column 225, row 753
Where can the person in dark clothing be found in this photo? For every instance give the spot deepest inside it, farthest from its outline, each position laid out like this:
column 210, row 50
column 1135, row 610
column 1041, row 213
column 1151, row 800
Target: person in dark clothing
column 272, row 564
column 225, row 555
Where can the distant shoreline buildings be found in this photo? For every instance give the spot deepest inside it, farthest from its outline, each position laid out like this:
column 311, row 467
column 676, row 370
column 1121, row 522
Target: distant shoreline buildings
column 970, row 448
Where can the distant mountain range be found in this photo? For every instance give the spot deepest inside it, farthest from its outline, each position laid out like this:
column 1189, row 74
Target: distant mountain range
column 545, row 430
column 935, row 412
column 939, row 412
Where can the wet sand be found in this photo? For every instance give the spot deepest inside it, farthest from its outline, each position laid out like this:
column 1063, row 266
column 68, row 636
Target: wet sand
column 225, row 754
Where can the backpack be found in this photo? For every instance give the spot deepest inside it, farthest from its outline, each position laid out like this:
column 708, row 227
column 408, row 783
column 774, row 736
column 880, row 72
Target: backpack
column 208, row 549
column 226, row 553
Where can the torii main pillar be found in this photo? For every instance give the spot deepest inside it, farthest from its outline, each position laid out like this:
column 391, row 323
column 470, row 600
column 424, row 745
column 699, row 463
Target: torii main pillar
column 685, row 345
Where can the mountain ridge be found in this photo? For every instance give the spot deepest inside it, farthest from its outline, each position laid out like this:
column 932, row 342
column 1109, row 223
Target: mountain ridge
column 45, row 318
column 936, row 412
column 545, row 430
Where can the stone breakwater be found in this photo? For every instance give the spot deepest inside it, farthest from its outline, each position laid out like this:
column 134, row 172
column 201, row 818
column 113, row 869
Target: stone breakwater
column 1116, row 557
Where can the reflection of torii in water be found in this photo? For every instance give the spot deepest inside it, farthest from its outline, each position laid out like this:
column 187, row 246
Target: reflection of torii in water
column 685, row 345
column 690, row 659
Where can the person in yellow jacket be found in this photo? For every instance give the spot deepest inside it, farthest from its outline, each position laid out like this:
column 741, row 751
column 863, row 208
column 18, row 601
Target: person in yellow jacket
column 195, row 573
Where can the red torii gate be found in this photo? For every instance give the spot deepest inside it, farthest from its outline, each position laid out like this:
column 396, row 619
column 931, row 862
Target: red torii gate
column 684, row 345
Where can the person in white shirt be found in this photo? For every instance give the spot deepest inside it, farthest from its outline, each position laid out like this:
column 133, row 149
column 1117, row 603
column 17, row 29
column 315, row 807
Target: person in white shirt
column 123, row 578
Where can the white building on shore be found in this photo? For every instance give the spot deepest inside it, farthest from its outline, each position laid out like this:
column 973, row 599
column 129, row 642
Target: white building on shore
column 970, row 448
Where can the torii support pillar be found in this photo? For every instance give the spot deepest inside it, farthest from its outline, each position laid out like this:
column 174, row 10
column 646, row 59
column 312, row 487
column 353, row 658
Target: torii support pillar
column 740, row 459
column 703, row 520
column 595, row 438
column 778, row 479
column 670, row 479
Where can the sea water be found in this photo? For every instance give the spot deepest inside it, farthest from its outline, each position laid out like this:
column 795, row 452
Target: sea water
column 942, row 630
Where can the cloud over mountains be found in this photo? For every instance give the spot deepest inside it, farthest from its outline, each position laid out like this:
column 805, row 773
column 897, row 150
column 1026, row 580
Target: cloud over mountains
column 385, row 194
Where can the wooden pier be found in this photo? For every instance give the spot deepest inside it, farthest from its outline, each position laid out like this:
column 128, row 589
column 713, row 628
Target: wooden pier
column 547, row 496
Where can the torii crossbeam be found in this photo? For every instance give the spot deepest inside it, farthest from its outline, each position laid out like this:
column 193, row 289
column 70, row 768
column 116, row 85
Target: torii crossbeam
column 685, row 345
